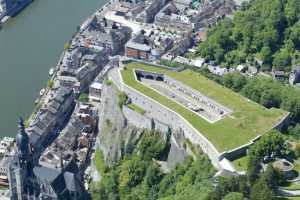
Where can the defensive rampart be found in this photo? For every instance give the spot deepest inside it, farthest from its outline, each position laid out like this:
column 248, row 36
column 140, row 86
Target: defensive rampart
column 159, row 112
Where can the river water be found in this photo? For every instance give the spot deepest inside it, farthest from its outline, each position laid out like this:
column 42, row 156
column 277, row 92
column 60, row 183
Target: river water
column 30, row 44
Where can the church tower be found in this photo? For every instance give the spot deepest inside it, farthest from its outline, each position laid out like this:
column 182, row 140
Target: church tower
column 18, row 170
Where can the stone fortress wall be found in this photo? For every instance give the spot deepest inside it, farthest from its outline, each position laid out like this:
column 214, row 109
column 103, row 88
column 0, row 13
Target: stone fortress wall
column 212, row 106
column 143, row 121
column 164, row 115
column 242, row 150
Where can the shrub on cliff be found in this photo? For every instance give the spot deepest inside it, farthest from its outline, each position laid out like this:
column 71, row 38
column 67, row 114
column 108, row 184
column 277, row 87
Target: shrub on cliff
column 139, row 176
column 123, row 98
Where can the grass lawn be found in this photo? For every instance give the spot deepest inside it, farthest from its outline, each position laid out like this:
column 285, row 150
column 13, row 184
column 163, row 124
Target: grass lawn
column 241, row 163
column 248, row 119
column 136, row 108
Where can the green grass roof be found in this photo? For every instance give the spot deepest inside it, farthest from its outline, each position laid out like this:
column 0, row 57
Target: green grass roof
column 247, row 120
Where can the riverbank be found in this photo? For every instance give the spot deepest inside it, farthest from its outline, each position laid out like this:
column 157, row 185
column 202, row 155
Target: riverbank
column 33, row 38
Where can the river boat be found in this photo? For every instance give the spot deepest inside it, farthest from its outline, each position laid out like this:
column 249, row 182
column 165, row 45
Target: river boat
column 36, row 101
column 42, row 92
column 51, row 71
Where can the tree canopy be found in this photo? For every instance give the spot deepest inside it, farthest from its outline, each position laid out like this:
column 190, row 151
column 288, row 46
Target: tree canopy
column 264, row 30
column 138, row 176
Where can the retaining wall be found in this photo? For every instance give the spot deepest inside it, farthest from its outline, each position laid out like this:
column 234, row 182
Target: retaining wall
column 164, row 115
column 142, row 121
column 156, row 110
column 242, row 150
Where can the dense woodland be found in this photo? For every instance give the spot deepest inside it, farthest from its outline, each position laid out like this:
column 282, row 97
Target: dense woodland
column 257, row 183
column 265, row 32
column 138, row 176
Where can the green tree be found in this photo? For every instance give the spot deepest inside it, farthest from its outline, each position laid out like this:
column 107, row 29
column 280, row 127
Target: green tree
column 269, row 144
column 234, row 81
column 266, row 55
column 67, row 46
column 83, row 97
column 294, row 35
column 266, row 29
column 294, row 131
column 282, row 59
column 234, row 196
column 261, row 191
column 297, row 149
column 132, row 172
column 292, row 11
column 123, row 98
column 152, row 145
column 272, row 178
column 227, row 185
column 50, row 84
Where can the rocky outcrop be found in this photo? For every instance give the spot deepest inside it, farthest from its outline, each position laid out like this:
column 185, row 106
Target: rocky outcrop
column 118, row 136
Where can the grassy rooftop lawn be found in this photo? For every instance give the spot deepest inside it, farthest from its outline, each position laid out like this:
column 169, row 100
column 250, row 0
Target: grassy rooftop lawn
column 246, row 122
column 241, row 163
column 136, row 108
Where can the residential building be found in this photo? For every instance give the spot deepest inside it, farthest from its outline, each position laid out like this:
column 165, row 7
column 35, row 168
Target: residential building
column 294, row 77
column 69, row 147
column 278, row 75
column 172, row 18
column 148, row 46
column 105, row 33
column 44, row 127
column 80, row 67
column 138, row 51
column 211, row 11
column 61, row 150
column 152, row 7
column 95, row 91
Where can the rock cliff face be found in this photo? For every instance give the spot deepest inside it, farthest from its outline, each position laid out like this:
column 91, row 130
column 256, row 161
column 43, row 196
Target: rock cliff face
column 118, row 137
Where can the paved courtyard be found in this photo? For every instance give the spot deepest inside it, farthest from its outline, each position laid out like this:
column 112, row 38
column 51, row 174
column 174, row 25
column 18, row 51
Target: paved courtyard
column 180, row 97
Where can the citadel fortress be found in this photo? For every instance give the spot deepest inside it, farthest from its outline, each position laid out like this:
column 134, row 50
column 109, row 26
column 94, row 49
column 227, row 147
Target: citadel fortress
column 170, row 101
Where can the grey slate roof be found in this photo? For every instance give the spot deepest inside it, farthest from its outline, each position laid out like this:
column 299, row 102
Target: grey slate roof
column 71, row 182
column 45, row 173
column 141, row 47
column 58, row 179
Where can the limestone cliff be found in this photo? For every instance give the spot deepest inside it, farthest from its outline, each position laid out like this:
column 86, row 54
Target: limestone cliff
column 118, row 137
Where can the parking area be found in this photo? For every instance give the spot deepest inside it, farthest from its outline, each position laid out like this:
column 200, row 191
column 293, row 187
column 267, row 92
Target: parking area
column 180, row 97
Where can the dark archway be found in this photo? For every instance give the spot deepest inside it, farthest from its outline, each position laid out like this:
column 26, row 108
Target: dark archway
column 159, row 78
column 148, row 76
column 141, row 75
